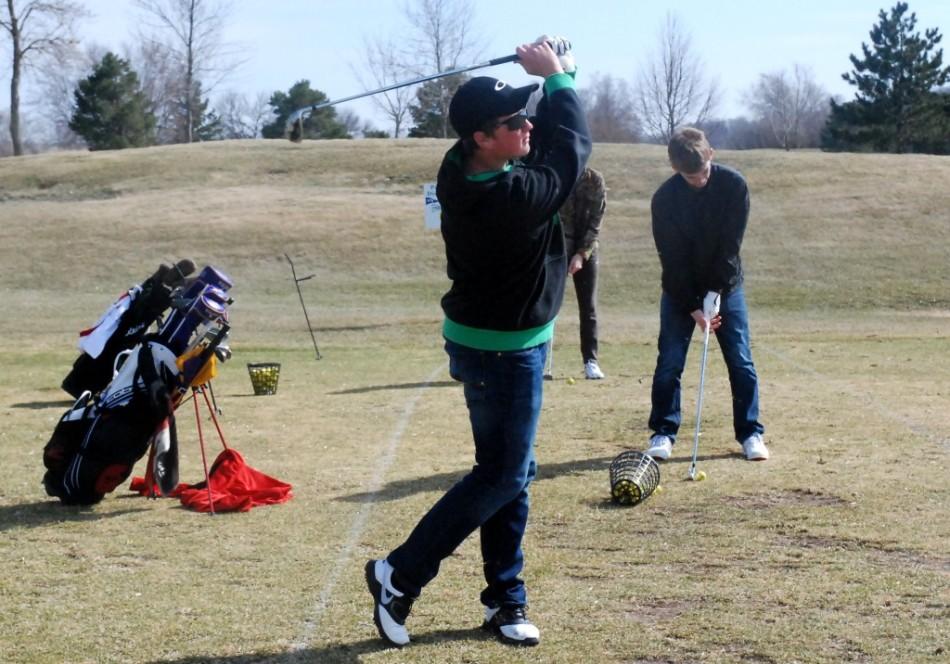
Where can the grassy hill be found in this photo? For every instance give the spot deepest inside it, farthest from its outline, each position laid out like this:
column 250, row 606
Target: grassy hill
column 835, row 550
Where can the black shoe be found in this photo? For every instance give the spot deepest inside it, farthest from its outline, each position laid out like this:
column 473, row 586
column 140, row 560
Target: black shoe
column 511, row 625
column 390, row 607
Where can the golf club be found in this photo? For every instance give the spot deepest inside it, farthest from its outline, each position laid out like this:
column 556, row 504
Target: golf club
column 300, row 295
column 294, row 126
column 699, row 403
column 710, row 311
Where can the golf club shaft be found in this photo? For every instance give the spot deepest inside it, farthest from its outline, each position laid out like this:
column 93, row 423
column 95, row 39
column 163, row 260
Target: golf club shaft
column 699, row 402
column 297, row 115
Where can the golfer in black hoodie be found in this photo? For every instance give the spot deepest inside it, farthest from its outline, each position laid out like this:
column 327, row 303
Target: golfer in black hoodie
column 500, row 187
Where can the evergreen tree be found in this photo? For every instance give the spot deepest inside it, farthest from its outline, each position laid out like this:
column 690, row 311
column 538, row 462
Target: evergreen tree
column 206, row 125
column 427, row 113
column 322, row 123
column 111, row 109
column 896, row 107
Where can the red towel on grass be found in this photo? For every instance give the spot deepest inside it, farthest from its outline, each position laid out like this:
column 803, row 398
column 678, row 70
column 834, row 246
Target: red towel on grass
column 235, row 487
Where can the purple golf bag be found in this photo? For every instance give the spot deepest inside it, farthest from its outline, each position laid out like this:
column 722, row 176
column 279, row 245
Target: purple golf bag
column 98, row 441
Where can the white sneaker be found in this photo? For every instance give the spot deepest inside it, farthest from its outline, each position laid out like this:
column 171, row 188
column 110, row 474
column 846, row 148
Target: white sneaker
column 754, row 448
column 661, row 447
column 592, row 370
column 390, row 607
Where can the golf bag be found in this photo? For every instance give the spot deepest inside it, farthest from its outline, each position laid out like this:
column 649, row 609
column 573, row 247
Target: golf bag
column 98, row 441
column 122, row 327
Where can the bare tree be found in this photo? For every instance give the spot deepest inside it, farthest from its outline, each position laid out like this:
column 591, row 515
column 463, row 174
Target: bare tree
column 158, row 72
column 794, row 106
column 609, row 106
column 350, row 120
column 36, row 28
column 53, row 95
column 672, row 87
column 440, row 39
column 194, row 28
column 241, row 117
column 384, row 67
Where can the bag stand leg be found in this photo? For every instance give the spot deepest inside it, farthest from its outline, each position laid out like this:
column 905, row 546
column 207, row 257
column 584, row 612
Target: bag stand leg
column 201, row 444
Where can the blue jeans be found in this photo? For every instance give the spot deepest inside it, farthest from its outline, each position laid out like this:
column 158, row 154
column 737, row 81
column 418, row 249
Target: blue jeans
column 676, row 329
column 503, row 395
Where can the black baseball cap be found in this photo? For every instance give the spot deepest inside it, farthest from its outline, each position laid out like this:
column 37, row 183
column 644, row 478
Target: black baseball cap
column 483, row 99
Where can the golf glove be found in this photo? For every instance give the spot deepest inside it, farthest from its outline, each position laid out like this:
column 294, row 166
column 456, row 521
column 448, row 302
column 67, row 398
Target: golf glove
column 711, row 305
column 562, row 47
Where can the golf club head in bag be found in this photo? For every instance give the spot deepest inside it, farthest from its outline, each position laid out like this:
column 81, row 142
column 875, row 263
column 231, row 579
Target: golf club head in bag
column 633, row 477
column 123, row 326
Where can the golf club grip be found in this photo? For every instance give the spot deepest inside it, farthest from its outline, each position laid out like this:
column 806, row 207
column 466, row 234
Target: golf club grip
column 500, row 61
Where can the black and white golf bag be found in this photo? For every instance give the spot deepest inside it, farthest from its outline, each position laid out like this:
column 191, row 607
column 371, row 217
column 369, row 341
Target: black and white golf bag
column 98, row 441
column 122, row 327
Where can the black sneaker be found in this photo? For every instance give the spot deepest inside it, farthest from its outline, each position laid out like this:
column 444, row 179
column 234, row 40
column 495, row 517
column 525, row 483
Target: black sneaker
column 511, row 625
column 391, row 607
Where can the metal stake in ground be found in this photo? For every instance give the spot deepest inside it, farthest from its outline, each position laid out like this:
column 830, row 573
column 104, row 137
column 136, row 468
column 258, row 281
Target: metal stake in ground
column 304, row 306
column 699, row 402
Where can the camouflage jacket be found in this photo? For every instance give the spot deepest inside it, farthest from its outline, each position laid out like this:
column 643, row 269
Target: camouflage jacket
column 583, row 212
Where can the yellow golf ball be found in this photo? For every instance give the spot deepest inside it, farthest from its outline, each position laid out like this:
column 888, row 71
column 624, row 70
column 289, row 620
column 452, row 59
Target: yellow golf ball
column 658, row 489
column 570, row 380
column 700, row 476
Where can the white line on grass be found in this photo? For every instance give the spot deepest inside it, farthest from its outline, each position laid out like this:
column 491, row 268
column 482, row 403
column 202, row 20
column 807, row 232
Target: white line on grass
column 342, row 562
column 869, row 401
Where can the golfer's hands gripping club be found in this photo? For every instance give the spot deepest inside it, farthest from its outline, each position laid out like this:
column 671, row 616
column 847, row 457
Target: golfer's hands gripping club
column 562, row 47
column 538, row 59
column 709, row 314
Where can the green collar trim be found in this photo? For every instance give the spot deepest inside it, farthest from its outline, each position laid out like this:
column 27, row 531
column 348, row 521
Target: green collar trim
column 488, row 175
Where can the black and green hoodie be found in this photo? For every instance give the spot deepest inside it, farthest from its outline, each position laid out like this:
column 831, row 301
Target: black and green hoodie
column 503, row 241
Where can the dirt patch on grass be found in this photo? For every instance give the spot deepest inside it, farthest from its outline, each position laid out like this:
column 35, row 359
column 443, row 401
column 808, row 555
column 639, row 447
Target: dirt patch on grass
column 658, row 611
column 878, row 552
column 790, row 498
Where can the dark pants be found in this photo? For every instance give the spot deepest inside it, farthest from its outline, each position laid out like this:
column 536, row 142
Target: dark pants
column 585, row 287
column 676, row 329
column 503, row 394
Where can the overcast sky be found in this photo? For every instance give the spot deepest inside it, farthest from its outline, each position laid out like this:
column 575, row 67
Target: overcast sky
column 322, row 40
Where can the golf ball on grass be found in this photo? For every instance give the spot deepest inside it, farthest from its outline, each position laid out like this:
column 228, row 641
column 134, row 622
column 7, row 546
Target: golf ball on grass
column 700, row 476
column 570, row 380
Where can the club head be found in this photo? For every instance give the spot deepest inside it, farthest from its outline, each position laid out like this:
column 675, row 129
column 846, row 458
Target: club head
column 295, row 126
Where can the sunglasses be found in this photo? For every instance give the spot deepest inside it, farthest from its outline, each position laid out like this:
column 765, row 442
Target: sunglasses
column 516, row 122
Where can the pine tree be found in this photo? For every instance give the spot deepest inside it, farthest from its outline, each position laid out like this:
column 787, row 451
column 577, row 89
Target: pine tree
column 427, row 113
column 321, row 123
column 896, row 106
column 111, row 109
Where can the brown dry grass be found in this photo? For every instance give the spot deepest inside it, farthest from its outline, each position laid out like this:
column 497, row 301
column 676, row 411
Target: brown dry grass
column 835, row 550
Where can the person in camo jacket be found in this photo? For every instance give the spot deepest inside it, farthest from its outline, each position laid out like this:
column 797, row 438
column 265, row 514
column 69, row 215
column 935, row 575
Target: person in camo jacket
column 581, row 217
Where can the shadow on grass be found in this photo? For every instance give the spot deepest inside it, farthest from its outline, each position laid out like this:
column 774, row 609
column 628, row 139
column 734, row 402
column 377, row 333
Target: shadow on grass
column 41, row 513
column 42, row 405
column 397, row 386
column 442, row 481
column 336, row 653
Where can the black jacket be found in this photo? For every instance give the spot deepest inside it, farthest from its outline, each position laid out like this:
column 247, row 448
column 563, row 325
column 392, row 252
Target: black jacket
column 698, row 234
column 504, row 245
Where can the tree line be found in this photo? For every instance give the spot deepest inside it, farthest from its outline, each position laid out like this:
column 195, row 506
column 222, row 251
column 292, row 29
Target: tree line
column 158, row 91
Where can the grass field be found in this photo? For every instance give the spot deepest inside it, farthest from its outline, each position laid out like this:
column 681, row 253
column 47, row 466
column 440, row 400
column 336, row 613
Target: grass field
column 835, row 550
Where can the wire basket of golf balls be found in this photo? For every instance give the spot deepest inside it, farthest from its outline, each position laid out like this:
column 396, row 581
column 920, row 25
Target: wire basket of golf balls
column 633, row 477
column 264, row 376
